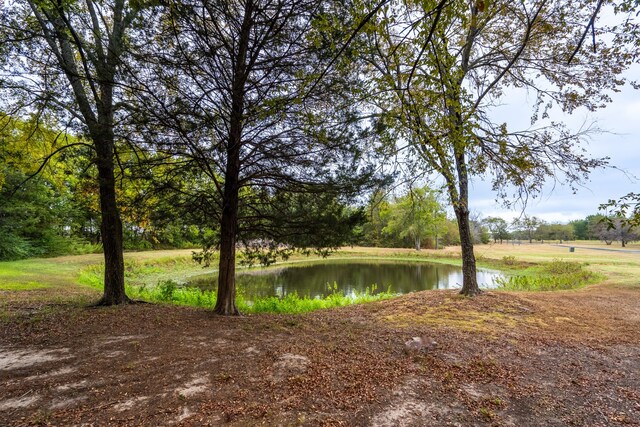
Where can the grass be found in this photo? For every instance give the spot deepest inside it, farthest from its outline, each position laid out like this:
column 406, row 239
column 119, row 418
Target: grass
column 551, row 276
column 23, row 286
column 173, row 293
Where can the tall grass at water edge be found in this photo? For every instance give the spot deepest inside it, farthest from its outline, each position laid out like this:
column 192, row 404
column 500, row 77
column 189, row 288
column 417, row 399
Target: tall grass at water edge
column 550, row 276
column 137, row 275
column 173, row 293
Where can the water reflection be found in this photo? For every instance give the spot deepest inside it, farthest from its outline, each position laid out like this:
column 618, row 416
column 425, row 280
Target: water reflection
column 351, row 276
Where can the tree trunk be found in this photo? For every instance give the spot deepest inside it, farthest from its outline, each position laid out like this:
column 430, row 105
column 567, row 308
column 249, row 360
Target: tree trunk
column 417, row 243
column 469, row 279
column 226, row 300
column 110, row 227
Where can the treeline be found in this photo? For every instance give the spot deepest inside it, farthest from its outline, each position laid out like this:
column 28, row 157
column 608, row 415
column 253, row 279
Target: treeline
column 608, row 229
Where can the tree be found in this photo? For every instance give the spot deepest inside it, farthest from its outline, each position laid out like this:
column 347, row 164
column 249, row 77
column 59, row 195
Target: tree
column 417, row 215
column 479, row 232
column 498, row 227
column 67, row 58
column 440, row 66
column 554, row 231
column 377, row 212
column 33, row 213
column 611, row 229
column 624, row 232
column 580, row 229
column 243, row 91
column 527, row 225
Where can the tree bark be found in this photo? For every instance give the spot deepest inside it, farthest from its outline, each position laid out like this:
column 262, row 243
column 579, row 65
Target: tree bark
column 461, row 208
column 417, row 243
column 111, row 226
column 226, row 299
column 469, row 279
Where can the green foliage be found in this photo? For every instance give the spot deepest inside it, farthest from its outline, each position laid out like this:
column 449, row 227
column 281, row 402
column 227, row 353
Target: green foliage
column 498, row 228
column 526, row 227
column 299, row 222
column 56, row 212
column 551, row 276
column 171, row 292
column 417, row 215
column 627, row 208
column 415, row 219
column 30, row 217
column 581, row 229
column 554, row 231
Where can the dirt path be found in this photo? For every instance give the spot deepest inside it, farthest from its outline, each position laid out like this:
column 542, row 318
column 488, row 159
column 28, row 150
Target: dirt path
column 539, row 359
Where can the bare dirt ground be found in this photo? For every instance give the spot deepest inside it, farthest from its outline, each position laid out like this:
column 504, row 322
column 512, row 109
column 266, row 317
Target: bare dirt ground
column 503, row 359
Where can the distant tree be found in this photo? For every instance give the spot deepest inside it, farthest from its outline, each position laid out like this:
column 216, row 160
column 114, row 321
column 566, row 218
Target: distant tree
column 554, row 231
column 612, row 229
column 452, row 235
column 498, row 227
column 417, row 215
column 527, row 225
column 580, row 229
column 376, row 213
column 479, row 232
column 34, row 213
column 623, row 232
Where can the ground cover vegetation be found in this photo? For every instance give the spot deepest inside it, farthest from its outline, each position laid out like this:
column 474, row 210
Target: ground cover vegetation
column 262, row 123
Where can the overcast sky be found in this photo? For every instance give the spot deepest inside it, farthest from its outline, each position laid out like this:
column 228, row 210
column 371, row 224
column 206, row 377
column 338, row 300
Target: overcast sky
column 620, row 142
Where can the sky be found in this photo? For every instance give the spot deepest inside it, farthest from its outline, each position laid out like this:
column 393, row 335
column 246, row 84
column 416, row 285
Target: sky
column 620, row 140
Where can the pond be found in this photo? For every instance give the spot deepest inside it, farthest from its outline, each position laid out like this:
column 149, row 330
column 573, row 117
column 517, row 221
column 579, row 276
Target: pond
column 316, row 279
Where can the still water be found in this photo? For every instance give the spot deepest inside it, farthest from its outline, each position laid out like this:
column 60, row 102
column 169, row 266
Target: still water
column 350, row 276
